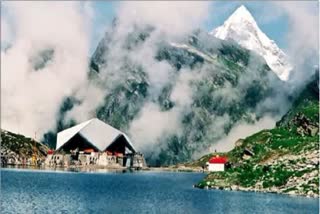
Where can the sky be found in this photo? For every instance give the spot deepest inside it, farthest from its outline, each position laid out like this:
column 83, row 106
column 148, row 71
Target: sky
column 271, row 22
column 219, row 11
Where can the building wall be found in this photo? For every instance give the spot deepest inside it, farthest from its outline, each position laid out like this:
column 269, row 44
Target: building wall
column 108, row 160
column 103, row 160
column 95, row 158
column 48, row 160
column 82, row 159
column 138, row 161
column 67, row 160
column 55, row 160
column 216, row 167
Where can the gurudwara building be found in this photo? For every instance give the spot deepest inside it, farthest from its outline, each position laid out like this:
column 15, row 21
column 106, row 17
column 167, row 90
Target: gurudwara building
column 94, row 142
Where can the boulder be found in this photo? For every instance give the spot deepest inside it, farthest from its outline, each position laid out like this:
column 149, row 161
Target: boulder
column 313, row 131
column 239, row 143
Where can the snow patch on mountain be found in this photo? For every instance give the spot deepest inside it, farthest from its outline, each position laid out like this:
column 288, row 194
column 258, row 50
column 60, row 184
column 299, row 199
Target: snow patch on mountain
column 243, row 29
column 209, row 57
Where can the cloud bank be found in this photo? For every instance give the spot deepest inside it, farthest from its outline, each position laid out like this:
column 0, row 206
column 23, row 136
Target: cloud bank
column 171, row 17
column 32, row 89
column 302, row 37
column 180, row 19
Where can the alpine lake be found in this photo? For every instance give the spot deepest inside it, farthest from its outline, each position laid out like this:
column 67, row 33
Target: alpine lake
column 50, row 191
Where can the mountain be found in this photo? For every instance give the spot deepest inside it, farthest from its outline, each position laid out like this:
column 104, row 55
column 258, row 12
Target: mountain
column 283, row 160
column 224, row 88
column 202, row 84
column 242, row 28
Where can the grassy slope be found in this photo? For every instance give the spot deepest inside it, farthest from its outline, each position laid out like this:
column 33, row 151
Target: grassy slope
column 282, row 156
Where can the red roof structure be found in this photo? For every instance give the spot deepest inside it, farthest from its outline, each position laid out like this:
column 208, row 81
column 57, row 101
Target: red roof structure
column 118, row 154
column 218, row 160
column 108, row 152
column 88, row 150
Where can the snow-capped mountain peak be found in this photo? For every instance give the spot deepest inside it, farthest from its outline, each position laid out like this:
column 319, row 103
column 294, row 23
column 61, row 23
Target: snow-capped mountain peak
column 242, row 28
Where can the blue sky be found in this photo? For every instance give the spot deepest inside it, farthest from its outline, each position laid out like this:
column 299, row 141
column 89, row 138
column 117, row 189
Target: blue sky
column 104, row 12
column 275, row 28
column 272, row 22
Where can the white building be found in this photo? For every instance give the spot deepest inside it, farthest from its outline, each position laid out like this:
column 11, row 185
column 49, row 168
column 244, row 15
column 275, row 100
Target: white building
column 94, row 142
column 94, row 134
column 217, row 164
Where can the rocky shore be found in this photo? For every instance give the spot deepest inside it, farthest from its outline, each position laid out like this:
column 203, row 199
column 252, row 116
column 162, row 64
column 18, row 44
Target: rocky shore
column 284, row 159
column 177, row 168
column 289, row 173
column 251, row 189
column 304, row 179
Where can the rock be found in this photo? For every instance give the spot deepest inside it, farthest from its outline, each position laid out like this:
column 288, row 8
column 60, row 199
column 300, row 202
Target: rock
column 246, row 157
column 300, row 131
column 314, row 173
column 234, row 187
column 315, row 161
column 239, row 143
column 248, row 151
column 292, row 192
column 274, row 189
column 310, row 166
column 313, row 130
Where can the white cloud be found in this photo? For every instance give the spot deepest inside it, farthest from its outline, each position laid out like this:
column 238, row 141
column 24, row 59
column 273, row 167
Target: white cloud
column 151, row 125
column 182, row 91
column 241, row 130
column 170, row 19
column 303, row 36
column 31, row 99
column 173, row 17
column 91, row 96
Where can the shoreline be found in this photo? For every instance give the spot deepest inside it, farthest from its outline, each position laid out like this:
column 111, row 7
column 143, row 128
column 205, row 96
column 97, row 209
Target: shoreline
column 249, row 189
column 99, row 169
column 69, row 168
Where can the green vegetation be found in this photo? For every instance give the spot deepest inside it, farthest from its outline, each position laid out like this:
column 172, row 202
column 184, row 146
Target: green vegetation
column 284, row 159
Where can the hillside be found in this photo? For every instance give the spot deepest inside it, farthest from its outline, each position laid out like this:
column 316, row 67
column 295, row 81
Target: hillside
column 16, row 146
column 205, row 67
column 283, row 160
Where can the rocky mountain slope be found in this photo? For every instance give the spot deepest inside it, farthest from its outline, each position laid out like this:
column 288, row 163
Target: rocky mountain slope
column 15, row 147
column 201, row 82
column 283, row 160
column 220, row 67
column 243, row 29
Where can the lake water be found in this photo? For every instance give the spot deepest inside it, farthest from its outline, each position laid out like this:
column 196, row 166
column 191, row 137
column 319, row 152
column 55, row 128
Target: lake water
column 26, row 191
